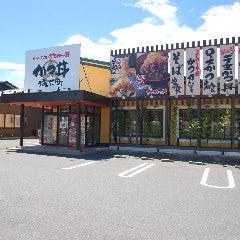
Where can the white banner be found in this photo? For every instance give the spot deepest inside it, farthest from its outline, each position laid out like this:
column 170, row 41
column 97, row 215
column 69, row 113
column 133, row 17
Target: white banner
column 210, row 82
column 82, row 130
column 238, row 68
column 52, row 69
column 176, row 72
column 227, row 69
column 193, row 71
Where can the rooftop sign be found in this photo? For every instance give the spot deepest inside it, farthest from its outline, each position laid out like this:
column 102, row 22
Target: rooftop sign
column 52, row 69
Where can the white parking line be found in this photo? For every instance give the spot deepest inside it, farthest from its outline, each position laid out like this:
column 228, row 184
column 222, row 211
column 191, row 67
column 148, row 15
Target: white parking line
column 230, row 179
column 139, row 168
column 32, row 144
column 80, row 165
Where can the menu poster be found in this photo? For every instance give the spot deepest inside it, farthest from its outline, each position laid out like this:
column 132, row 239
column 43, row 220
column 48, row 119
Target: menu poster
column 82, row 130
column 72, row 138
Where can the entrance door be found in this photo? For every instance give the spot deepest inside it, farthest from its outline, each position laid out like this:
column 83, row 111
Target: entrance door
column 92, row 130
column 63, row 131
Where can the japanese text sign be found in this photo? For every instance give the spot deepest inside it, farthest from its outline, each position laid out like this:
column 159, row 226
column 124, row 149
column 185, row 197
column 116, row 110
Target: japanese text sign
column 193, row 71
column 210, row 70
column 52, row 69
column 177, row 72
column 227, row 69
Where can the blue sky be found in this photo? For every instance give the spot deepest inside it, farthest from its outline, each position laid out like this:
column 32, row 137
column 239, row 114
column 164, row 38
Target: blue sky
column 104, row 25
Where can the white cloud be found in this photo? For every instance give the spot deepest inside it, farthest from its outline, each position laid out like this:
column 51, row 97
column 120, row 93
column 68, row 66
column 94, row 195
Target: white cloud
column 12, row 66
column 221, row 22
column 161, row 9
column 99, row 50
column 16, row 81
column 218, row 22
column 13, row 73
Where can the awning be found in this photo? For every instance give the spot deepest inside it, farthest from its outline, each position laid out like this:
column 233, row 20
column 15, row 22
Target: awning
column 39, row 99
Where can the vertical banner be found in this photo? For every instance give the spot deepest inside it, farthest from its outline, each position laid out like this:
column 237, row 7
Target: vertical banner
column 227, row 69
column 152, row 73
column 176, row 72
column 82, row 130
column 238, row 68
column 72, row 130
column 193, row 71
column 210, row 83
column 123, row 76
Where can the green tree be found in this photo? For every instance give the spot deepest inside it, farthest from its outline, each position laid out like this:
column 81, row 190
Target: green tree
column 223, row 120
column 173, row 124
column 146, row 126
column 206, row 123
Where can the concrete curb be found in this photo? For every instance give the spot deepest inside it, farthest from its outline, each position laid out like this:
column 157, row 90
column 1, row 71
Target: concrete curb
column 197, row 163
column 175, row 151
column 147, row 158
column 166, row 160
column 119, row 156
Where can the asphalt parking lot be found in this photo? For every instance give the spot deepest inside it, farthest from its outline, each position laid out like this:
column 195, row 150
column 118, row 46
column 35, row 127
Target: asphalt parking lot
column 102, row 196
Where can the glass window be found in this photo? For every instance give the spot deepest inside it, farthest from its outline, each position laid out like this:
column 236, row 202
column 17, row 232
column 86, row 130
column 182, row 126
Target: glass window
column 126, row 122
column 64, row 109
column 17, row 121
column 221, row 118
column 74, row 109
column 25, row 121
column 9, row 121
column 63, row 130
column 237, row 124
column 213, row 124
column 90, row 109
column 50, row 129
column 188, row 123
column 1, row 120
column 97, row 110
column 55, row 109
column 152, row 123
column 48, row 109
column 82, row 109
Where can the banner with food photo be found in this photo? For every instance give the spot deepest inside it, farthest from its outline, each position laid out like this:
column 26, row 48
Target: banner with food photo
column 152, row 73
column 123, row 76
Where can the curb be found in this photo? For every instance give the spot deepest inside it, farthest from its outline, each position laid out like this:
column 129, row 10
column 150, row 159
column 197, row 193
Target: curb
column 197, row 163
column 166, row 160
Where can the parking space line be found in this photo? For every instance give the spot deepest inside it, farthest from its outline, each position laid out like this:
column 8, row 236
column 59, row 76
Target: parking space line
column 230, row 180
column 80, row 165
column 136, row 170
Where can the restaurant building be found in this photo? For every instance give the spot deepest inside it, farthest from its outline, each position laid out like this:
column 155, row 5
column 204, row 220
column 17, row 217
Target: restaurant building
column 166, row 95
